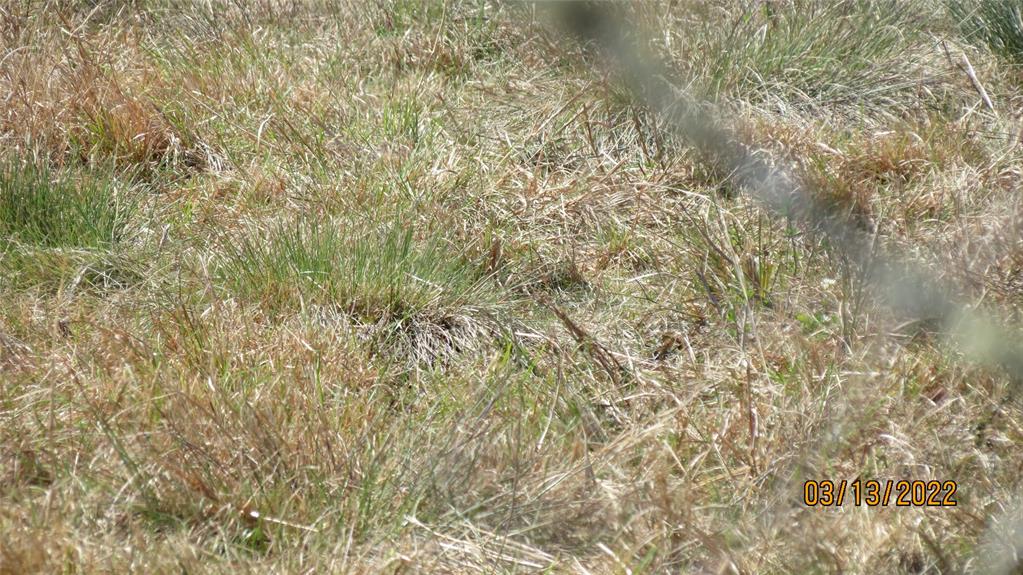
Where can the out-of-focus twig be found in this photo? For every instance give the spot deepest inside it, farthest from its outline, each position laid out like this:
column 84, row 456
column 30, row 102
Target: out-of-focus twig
column 964, row 63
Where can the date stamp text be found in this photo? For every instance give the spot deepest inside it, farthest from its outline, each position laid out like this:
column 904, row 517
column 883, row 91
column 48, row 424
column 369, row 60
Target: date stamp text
column 880, row 493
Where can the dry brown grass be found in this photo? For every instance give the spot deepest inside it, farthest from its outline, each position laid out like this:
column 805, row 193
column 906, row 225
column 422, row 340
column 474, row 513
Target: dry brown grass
column 594, row 354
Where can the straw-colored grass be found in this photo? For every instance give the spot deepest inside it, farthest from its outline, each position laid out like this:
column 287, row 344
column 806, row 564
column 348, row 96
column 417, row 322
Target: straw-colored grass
column 416, row 286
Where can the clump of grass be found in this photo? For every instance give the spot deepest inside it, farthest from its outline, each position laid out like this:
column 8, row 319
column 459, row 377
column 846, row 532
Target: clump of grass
column 401, row 120
column 370, row 273
column 58, row 227
column 417, row 299
column 50, row 210
column 825, row 52
column 997, row 24
column 400, row 16
column 84, row 101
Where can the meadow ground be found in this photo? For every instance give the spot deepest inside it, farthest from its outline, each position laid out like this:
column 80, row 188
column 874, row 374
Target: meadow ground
column 413, row 286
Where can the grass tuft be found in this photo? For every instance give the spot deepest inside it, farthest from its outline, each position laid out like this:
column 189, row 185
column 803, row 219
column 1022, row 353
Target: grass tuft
column 371, row 273
column 997, row 24
column 802, row 52
column 53, row 210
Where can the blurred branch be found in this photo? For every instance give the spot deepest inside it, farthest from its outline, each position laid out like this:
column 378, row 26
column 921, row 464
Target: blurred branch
column 905, row 286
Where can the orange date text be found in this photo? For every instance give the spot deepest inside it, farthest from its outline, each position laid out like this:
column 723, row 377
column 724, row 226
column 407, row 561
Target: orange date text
column 880, row 493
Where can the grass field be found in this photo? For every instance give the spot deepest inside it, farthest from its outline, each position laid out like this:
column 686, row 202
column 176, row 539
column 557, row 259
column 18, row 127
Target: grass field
column 411, row 286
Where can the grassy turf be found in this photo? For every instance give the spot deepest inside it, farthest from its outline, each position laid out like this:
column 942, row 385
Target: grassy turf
column 417, row 286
